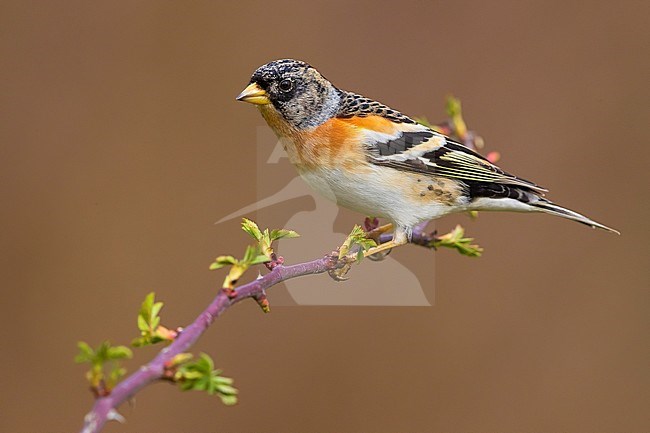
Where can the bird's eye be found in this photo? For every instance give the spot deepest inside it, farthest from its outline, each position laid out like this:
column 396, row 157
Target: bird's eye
column 286, row 85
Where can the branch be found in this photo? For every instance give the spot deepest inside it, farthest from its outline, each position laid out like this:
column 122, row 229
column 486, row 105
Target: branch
column 166, row 364
column 104, row 408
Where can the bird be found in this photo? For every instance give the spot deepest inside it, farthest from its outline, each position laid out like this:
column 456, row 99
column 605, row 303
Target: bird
column 375, row 160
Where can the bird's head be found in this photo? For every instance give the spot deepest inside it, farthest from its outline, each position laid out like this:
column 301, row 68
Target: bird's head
column 297, row 91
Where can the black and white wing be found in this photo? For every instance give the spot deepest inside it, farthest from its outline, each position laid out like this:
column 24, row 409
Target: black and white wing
column 418, row 149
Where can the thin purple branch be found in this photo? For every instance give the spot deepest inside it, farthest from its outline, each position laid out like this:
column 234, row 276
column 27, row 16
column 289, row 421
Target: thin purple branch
column 104, row 408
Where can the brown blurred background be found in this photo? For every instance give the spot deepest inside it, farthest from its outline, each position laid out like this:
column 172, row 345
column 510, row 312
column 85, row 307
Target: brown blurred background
column 119, row 131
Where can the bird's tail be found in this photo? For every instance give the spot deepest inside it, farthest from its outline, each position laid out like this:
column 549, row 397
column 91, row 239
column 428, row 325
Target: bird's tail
column 543, row 205
column 499, row 197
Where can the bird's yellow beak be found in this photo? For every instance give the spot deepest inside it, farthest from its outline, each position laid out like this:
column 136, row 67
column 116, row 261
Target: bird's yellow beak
column 254, row 94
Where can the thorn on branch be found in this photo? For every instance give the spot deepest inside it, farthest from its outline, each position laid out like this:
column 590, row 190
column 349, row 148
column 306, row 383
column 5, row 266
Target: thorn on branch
column 263, row 302
column 114, row 415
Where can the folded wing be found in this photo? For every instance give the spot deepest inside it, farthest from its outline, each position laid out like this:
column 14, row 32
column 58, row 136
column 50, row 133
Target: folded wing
column 418, row 149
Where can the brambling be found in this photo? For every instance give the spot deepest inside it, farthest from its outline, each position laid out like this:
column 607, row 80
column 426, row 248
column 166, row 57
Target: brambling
column 375, row 160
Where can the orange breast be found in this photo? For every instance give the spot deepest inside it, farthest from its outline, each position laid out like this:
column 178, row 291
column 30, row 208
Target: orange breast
column 339, row 141
column 336, row 143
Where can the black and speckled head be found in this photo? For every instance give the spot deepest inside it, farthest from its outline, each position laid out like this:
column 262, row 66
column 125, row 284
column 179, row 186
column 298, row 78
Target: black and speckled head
column 301, row 95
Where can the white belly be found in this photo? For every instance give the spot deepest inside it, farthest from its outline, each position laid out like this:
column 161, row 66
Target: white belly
column 379, row 192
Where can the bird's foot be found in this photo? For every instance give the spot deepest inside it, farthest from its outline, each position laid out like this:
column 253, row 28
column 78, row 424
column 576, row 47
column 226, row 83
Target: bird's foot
column 375, row 232
column 339, row 274
column 376, row 253
column 382, row 250
column 379, row 256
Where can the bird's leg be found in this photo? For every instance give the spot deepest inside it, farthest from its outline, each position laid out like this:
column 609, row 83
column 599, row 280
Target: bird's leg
column 340, row 273
column 400, row 237
column 377, row 253
column 376, row 232
column 374, row 235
